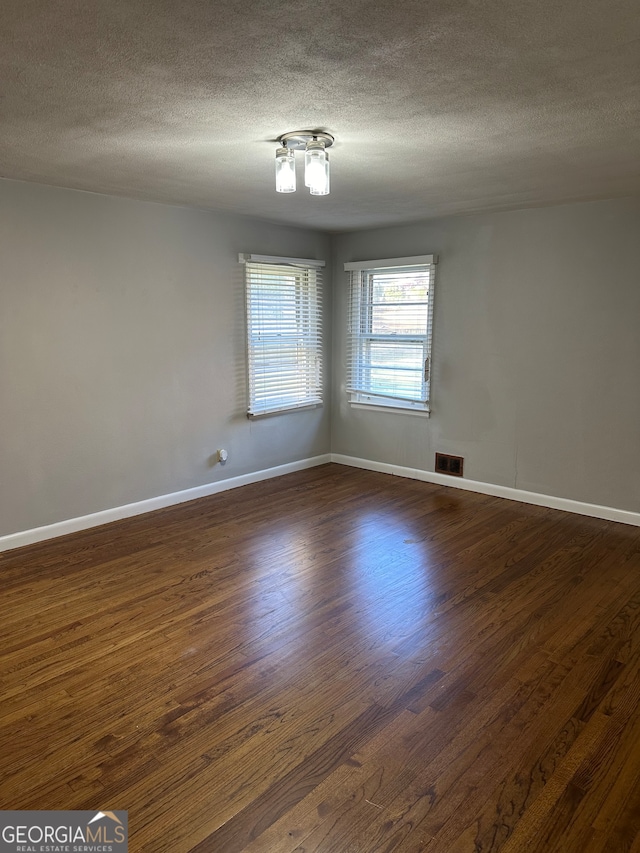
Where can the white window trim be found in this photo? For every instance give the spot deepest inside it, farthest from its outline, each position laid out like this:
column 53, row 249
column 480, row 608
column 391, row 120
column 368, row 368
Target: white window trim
column 414, row 261
column 362, row 399
column 396, row 410
column 275, row 259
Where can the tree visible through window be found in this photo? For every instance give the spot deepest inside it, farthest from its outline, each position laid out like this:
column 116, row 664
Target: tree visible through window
column 390, row 327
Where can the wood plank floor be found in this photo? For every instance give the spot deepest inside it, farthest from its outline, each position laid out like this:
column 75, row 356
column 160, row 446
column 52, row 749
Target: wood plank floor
column 335, row 660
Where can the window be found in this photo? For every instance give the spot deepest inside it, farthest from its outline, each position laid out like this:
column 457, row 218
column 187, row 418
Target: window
column 390, row 320
column 284, row 333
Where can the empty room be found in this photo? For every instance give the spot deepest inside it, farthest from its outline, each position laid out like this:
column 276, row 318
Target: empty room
column 320, row 427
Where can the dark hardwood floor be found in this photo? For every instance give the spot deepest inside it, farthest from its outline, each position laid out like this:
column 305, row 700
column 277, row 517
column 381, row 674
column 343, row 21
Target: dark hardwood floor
column 335, row 660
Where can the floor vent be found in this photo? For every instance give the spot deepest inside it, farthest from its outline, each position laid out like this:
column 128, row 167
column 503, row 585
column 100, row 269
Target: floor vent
column 446, row 464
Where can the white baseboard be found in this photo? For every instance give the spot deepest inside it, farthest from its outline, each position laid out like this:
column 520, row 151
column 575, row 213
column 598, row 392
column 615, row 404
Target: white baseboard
column 593, row 510
column 84, row 522
column 73, row 525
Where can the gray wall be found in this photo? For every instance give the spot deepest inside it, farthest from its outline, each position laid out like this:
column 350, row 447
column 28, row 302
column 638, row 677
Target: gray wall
column 536, row 351
column 122, row 353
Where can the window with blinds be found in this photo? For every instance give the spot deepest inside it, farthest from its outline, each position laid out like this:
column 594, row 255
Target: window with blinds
column 284, row 333
column 390, row 329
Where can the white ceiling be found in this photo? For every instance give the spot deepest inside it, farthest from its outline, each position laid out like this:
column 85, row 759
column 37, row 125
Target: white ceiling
column 437, row 106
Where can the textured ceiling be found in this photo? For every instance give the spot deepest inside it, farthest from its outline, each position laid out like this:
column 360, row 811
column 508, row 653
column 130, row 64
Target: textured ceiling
column 438, row 106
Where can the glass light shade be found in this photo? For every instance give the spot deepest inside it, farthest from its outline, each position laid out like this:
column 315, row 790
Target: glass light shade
column 316, row 168
column 285, row 171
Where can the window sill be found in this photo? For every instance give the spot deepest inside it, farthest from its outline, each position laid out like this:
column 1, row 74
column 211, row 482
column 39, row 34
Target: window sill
column 394, row 410
column 285, row 410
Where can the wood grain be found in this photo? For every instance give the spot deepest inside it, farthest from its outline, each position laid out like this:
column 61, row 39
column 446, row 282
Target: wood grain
column 335, row 661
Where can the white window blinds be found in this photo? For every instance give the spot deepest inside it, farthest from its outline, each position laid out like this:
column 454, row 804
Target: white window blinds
column 390, row 330
column 284, row 334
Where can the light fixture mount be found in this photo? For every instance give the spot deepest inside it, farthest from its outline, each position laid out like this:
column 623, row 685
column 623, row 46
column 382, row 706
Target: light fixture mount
column 298, row 140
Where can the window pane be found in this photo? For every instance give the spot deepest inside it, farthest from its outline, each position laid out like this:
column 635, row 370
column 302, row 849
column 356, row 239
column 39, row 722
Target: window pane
column 390, row 368
column 400, row 287
column 399, row 303
column 389, row 384
column 399, row 320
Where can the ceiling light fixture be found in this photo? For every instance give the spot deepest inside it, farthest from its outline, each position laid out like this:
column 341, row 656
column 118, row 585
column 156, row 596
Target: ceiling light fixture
column 314, row 143
column 285, row 171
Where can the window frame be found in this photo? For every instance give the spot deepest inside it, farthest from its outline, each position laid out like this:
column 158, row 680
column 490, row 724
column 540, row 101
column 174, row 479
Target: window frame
column 284, row 366
column 360, row 386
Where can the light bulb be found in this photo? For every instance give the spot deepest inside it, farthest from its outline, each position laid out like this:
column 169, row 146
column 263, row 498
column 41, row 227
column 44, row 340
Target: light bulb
column 316, row 168
column 285, row 171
